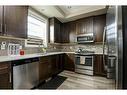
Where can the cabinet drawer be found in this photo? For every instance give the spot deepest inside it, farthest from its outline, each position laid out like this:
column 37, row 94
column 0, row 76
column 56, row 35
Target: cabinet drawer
column 4, row 70
column 5, row 75
column 44, row 59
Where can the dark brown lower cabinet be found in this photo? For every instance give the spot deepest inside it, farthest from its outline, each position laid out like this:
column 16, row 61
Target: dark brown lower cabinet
column 69, row 62
column 56, row 64
column 44, row 68
column 99, row 66
column 5, row 75
column 61, row 62
column 49, row 66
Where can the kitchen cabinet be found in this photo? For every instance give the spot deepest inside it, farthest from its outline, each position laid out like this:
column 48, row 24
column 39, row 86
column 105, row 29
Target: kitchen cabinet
column 1, row 20
column 69, row 32
column 14, row 21
column 64, row 33
column 50, row 66
column 69, row 62
column 99, row 66
column 84, row 26
column 5, row 75
column 44, row 66
column 99, row 24
column 56, row 64
column 94, row 24
column 54, row 30
column 61, row 63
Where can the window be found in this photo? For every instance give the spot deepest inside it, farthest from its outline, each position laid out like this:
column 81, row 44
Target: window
column 37, row 28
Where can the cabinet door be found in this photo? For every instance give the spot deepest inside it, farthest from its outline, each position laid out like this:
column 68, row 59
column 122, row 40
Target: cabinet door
column 1, row 20
column 53, row 69
column 84, row 26
column 54, row 30
column 5, row 76
column 72, row 32
column 88, row 25
column 99, row 66
column 15, row 21
column 44, row 68
column 65, row 33
column 57, row 25
column 79, row 27
column 69, row 62
column 60, row 62
column 57, row 64
column 99, row 24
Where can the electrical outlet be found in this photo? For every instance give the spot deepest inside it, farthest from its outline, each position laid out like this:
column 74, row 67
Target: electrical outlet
column 3, row 45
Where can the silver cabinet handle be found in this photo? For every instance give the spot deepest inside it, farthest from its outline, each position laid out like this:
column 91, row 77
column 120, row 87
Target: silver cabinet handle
column 5, row 27
column 10, row 77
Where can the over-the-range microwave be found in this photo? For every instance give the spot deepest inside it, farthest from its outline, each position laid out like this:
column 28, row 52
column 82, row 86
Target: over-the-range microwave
column 85, row 38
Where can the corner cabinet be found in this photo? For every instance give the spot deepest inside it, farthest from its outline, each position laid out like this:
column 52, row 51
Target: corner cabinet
column 68, row 31
column 14, row 22
column 54, row 30
column 5, row 75
column 50, row 66
column 69, row 62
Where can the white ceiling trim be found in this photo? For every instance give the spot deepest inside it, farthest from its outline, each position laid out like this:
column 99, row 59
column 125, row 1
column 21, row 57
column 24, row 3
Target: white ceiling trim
column 64, row 14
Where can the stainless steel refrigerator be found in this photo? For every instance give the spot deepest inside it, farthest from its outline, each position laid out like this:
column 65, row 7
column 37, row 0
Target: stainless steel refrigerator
column 113, row 40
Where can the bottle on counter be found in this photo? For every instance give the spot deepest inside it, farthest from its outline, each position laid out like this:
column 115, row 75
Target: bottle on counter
column 21, row 51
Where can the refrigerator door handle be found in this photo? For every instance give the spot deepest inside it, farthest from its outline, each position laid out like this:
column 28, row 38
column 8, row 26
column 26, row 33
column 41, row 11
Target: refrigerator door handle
column 104, row 35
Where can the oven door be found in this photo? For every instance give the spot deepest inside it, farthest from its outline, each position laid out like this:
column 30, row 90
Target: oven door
column 84, row 62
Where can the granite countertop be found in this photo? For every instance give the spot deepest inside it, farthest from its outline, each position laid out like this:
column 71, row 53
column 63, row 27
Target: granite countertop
column 26, row 56
column 19, row 57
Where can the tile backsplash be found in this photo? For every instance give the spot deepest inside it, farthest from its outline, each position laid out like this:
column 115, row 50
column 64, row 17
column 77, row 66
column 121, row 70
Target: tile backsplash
column 27, row 50
column 97, row 48
column 72, row 47
column 4, row 52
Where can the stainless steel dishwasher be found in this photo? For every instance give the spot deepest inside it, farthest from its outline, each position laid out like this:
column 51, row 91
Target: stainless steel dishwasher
column 25, row 73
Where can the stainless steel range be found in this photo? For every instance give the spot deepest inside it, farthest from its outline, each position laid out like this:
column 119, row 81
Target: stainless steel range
column 84, row 61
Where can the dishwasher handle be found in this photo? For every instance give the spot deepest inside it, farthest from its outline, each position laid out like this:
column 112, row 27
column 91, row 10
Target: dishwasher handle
column 25, row 61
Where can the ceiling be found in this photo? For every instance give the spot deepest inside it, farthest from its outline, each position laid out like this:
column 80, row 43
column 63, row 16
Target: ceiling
column 69, row 13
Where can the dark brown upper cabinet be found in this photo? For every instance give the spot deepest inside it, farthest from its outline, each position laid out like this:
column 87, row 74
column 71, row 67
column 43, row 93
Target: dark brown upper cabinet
column 69, row 32
column 99, row 24
column 72, row 32
column 14, row 21
column 65, row 33
column 84, row 26
column 54, row 30
column 1, row 20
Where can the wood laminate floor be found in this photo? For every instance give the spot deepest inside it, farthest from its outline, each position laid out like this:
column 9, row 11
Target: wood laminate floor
column 79, row 81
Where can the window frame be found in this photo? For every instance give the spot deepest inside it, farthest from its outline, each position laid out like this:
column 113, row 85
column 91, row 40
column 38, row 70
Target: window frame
column 39, row 17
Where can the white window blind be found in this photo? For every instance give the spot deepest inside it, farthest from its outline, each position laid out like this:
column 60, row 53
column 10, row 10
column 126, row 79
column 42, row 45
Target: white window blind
column 36, row 28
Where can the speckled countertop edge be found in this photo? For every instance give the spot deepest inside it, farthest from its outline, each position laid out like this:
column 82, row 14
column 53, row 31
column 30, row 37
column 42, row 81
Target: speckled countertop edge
column 20, row 57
